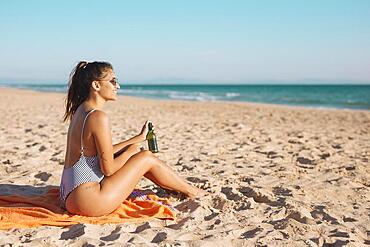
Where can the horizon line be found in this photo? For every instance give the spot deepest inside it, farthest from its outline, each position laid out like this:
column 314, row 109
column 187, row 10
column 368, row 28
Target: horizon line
column 179, row 81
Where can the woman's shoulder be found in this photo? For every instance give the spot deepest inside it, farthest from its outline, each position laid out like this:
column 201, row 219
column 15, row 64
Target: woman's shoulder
column 98, row 117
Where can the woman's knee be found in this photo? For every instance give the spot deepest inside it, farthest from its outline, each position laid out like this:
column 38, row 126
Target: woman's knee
column 136, row 147
column 147, row 156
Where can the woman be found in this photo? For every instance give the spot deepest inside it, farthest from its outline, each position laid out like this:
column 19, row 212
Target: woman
column 97, row 175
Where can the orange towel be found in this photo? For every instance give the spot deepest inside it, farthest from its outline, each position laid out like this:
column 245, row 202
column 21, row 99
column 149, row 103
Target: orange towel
column 25, row 212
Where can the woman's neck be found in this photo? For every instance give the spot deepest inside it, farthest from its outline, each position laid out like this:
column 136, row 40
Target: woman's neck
column 94, row 103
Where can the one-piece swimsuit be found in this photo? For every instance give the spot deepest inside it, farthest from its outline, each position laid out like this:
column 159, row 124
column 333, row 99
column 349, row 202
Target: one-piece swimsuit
column 86, row 169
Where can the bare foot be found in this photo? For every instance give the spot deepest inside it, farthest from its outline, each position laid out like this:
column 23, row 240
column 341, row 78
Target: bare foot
column 196, row 193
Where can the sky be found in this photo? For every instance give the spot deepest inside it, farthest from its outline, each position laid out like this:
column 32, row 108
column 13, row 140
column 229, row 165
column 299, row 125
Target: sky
column 188, row 41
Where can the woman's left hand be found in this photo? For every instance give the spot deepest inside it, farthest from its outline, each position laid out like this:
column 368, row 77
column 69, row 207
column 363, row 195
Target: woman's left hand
column 144, row 131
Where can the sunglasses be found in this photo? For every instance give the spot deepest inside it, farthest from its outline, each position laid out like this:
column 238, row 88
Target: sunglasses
column 114, row 82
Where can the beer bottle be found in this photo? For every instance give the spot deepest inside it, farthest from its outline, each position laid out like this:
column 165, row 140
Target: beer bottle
column 151, row 138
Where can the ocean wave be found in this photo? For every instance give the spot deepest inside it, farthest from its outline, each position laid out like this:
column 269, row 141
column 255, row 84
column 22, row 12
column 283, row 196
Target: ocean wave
column 232, row 95
column 197, row 96
column 171, row 94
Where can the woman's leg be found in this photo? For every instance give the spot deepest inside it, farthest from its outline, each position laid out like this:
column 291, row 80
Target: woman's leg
column 124, row 154
column 116, row 188
column 152, row 177
column 133, row 149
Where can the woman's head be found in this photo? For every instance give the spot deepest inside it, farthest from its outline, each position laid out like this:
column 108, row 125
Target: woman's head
column 80, row 83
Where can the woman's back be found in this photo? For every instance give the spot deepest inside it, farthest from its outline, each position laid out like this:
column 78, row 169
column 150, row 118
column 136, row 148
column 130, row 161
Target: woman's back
column 75, row 130
column 79, row 168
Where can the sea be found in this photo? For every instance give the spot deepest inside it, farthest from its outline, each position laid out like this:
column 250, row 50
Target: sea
column 314, row 96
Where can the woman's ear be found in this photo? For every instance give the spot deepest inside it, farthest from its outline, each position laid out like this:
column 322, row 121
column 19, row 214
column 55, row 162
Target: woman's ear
column 95, row 85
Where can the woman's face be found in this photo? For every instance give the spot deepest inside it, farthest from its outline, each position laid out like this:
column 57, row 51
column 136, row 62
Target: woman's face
column 109, row 86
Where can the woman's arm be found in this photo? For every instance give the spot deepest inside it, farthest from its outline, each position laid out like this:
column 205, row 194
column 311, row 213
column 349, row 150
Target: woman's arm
column 103, row 141
column 117, row 148
column 101, row 131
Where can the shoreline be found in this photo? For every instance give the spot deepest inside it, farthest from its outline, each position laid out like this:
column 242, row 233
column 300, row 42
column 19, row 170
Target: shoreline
column 246, row 103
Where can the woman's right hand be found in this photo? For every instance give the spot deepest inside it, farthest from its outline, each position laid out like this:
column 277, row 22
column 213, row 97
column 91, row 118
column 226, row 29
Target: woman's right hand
column 144, row 131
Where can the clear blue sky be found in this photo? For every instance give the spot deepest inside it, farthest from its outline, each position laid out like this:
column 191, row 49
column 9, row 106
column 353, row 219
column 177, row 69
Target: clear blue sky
column 208, row 41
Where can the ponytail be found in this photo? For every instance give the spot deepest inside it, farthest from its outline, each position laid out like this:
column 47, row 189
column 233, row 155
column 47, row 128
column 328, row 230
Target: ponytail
column 80, row 82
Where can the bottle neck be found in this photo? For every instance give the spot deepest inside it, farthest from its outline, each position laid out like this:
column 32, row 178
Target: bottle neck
column 150, row 126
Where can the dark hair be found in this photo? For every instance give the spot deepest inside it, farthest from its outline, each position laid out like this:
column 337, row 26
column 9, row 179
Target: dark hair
column 80, row 82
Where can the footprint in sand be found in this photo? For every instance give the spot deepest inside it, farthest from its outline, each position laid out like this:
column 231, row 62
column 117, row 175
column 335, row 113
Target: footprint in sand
column 7, row 162
column 43, row 176
column 350, row 168
column 320, row 215
column 179, row 162
column 305, row 163
column 143, row 227
column 59, row 161
column 338, row 243
column 218, row 203
column 73, row 232
column 33, row 144
column 114, row 235
column 339, row 234
column 230, row 195
column 180, row 224
column 201, row 183
column 279, row 224
column 58, row 152
column 300, row 217
column 337, row 146
column 211, row 227
column 348, row 219
column 161, row 236
column 242, row 206
column 252, row 233
column 257, row 196
column 40, row 126
column 324, row 156
column 196, row 180
column 247, row 180
column 280, row 191
column 11, row 169
column 27, row 238
column 211, row 216
column 188, row 206
column 296, row 215
column 185, row 167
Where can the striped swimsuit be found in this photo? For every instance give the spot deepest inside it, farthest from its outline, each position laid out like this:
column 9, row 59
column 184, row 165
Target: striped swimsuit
column 86, row 169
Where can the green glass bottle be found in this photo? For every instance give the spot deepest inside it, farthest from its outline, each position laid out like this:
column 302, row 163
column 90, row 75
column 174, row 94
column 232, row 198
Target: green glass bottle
column 151, row 138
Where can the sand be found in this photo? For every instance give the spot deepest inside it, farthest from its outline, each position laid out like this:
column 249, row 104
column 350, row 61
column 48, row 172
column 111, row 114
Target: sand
column 277, row 175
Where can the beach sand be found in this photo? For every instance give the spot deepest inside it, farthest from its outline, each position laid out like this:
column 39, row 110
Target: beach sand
column 277, row 175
